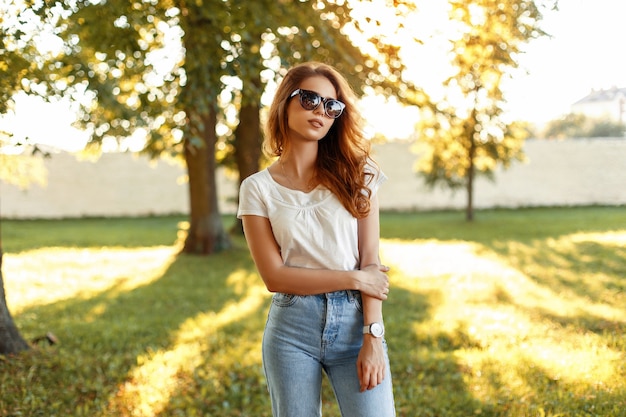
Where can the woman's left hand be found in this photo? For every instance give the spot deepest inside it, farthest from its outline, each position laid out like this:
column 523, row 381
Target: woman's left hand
column 370, row 364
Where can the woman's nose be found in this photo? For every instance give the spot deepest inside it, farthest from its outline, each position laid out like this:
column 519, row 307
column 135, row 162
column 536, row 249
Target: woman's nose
column 319, row 109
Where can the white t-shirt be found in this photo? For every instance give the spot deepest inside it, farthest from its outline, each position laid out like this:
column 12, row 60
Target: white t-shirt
column 313, row 230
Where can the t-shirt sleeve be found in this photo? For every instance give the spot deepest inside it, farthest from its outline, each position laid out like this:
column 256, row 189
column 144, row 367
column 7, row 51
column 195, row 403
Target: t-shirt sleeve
column 378, row 178
column 250, row 199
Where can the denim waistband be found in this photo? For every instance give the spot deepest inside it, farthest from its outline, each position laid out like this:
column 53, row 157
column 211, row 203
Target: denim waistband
column 338, row 294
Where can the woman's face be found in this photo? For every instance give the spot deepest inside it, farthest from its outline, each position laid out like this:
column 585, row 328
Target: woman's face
column 310, row 125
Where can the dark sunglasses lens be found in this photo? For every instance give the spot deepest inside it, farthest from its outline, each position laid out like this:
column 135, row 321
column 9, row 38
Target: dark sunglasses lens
column 309, row 100
column 333, row 108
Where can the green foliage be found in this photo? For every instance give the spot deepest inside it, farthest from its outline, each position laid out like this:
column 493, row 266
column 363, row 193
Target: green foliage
column 20, row 56
column 526, row 320
column 148, row 65
column 607, row 129
column 22, row 169
column 577, row 125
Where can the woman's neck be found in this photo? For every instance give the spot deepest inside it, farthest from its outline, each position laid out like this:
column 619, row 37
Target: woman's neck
column 300, row 161
column 298, row 169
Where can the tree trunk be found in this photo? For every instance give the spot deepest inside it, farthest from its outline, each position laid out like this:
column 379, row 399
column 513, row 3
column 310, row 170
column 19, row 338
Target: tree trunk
column 206, row 232
column 10, row 339
column 469, row 209
column 248, row 140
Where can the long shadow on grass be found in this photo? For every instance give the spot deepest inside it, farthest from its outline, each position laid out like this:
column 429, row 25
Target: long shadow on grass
column 526, row 239
column 427, row 378
column 559, row 268
column 229, row 381
column 538, row 396
column 105, row 337
column 563, row 268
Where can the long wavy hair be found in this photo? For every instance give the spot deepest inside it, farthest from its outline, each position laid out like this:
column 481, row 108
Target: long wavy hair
column 342, row 153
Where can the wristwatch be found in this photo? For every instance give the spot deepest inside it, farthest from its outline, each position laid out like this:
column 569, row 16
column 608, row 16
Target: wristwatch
column 375, row 329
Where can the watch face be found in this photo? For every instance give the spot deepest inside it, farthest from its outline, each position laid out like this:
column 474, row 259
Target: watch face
column 376, row 329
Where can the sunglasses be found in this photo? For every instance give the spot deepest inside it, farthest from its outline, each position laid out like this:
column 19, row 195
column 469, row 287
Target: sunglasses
column 310, row 100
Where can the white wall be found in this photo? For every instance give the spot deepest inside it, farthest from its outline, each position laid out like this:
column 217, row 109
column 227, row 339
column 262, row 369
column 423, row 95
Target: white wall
column 571, row 172
column 557, row 173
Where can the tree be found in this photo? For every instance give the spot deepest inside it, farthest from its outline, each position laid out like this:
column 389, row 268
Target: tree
column 15, row 49
column 607, row 129
column 467, row 135
column 160, row 68
column 10, row 339
column 21, row 171
column 577, row 125
column 198, row 100
column 122, row 64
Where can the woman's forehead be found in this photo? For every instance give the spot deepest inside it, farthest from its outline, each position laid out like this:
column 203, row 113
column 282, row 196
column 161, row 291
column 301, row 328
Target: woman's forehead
column 321, row 85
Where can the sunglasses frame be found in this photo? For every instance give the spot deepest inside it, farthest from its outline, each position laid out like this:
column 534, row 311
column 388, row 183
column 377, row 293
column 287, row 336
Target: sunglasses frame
column 323, row 100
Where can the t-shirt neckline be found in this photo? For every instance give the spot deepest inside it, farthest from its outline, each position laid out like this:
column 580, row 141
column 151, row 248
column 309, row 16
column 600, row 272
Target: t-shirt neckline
column 269, row 174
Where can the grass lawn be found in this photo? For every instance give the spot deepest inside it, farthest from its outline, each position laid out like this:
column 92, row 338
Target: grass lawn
column 521, row 313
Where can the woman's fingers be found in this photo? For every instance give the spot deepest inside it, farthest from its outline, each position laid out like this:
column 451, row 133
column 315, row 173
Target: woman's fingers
column 371, row 378
column 377, row 284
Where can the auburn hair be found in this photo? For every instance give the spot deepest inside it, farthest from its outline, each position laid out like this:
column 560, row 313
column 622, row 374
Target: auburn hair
column 343, row 153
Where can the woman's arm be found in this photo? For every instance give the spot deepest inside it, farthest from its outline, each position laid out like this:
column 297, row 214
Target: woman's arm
column 371, row 361
column 303, row 281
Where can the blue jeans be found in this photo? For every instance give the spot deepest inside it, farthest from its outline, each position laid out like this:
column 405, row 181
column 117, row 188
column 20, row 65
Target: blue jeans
column 306, row 335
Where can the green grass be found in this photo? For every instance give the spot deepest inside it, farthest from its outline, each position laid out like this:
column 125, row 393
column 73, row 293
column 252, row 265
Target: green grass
column 521, row 313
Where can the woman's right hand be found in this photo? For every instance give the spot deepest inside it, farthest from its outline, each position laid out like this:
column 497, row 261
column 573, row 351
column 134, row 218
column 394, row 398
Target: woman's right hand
column 375, row 281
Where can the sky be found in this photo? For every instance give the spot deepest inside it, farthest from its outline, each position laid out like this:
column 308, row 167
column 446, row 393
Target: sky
column 585, row 52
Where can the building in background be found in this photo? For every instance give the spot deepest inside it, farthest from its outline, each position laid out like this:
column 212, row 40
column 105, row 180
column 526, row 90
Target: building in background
column 603, row 104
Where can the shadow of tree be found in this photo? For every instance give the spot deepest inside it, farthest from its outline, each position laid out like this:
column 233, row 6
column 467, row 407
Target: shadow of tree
column 534, row 381
column 428, row 379
column 200, row 326
column 565, row 259
column 562, row 268
column 124, row 326
column 428, row 369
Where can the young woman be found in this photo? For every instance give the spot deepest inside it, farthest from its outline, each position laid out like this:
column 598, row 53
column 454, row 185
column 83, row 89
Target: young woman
column 312, row 225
